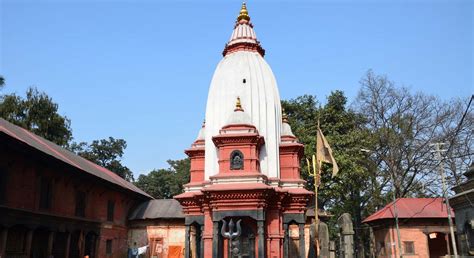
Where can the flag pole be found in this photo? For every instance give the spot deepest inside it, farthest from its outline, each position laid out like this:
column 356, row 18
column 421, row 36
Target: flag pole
column 317, row 179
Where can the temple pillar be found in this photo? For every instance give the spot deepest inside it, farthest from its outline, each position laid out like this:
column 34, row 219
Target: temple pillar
column 302, row 239
column 207, row 234
column 261, row 238
column 286, row 240
column 215, row 239
column 3, row 242
column 187, row 245
column 201, row 242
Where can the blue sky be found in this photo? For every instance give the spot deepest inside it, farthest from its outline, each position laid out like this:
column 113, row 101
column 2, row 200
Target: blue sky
column 140, row 70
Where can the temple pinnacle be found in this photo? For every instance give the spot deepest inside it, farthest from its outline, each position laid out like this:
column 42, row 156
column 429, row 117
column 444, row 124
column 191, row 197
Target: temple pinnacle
column 244, row 14
column 284, row 117
column 238, row 105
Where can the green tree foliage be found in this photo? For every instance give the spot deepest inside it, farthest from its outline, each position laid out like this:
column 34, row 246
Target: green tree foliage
column 166, row 183
column 354, row 187
column 387, row 133
column 106, row 153
column 37, row 113
column 2, row 82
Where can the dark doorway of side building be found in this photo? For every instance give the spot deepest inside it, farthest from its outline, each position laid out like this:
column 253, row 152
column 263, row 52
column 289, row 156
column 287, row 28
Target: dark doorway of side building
column 439, row 244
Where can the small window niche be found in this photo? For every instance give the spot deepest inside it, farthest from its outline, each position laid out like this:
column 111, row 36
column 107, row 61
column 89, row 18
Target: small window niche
column 110, row 210
column 236, row 160
column 409, row 247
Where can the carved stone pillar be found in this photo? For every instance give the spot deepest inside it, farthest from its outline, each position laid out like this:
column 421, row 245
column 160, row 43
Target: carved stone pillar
column 261, row 238
column 187, row 245
column 201, row 243
column 302, row 239
column 286, row 240
column 323, row 240
column 346, row 235
column 215, row 239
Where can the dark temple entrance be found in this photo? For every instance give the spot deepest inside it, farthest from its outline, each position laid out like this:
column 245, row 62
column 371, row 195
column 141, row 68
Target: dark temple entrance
column 245, row 242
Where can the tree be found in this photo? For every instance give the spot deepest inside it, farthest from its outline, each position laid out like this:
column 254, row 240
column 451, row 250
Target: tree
column 404, row 126
column 2, row 82
column 354, row 187
column 106, row 153
column 166, row 183
column 37, row 113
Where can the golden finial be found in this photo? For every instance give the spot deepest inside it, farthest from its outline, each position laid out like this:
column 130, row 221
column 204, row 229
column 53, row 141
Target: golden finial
column 238, row 105
column 244, row 14
column 284, row 116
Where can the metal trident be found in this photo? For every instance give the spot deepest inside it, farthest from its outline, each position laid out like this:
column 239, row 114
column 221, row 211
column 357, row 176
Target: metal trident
column 231, row 235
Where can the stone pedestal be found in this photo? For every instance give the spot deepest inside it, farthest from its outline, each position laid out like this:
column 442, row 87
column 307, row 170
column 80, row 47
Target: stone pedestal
column 346, row 236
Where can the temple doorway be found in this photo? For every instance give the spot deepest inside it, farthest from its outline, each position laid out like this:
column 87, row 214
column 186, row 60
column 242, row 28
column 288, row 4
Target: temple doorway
column 195, row 241
column 246, row 242
column 439, row 244
column 39, row 244
column 90, row 244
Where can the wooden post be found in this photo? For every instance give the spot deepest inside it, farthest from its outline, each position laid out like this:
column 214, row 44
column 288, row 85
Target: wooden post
column 3, row 242
column 446, row 237
column 81, row 243
column 50, row 244
column 29, row 238
column 68, row 244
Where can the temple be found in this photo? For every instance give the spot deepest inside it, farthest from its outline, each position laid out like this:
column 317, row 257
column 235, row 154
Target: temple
column 245, row 163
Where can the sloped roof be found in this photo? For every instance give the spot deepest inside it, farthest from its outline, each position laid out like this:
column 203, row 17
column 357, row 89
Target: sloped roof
column 412, row 208
column 158, row 209
column 61, row 154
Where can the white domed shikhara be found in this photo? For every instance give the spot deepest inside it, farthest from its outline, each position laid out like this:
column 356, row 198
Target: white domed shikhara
column 244, row 73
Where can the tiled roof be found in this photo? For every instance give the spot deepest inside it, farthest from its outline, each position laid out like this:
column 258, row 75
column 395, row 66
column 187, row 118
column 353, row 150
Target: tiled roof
column 65, row 156
column 412, row 208
column 158, row 209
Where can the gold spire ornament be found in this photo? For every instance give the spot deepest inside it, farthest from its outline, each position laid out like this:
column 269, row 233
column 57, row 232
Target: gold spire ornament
column 244, row 14
column 238, row 105
column 284, row 116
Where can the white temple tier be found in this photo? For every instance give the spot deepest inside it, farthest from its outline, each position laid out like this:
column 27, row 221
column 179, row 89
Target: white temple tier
column 245, row 74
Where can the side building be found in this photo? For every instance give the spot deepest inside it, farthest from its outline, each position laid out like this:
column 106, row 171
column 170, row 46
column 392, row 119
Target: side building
column 463, row 204
column 160, row 225
column 54, row 203
column 423, row 224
